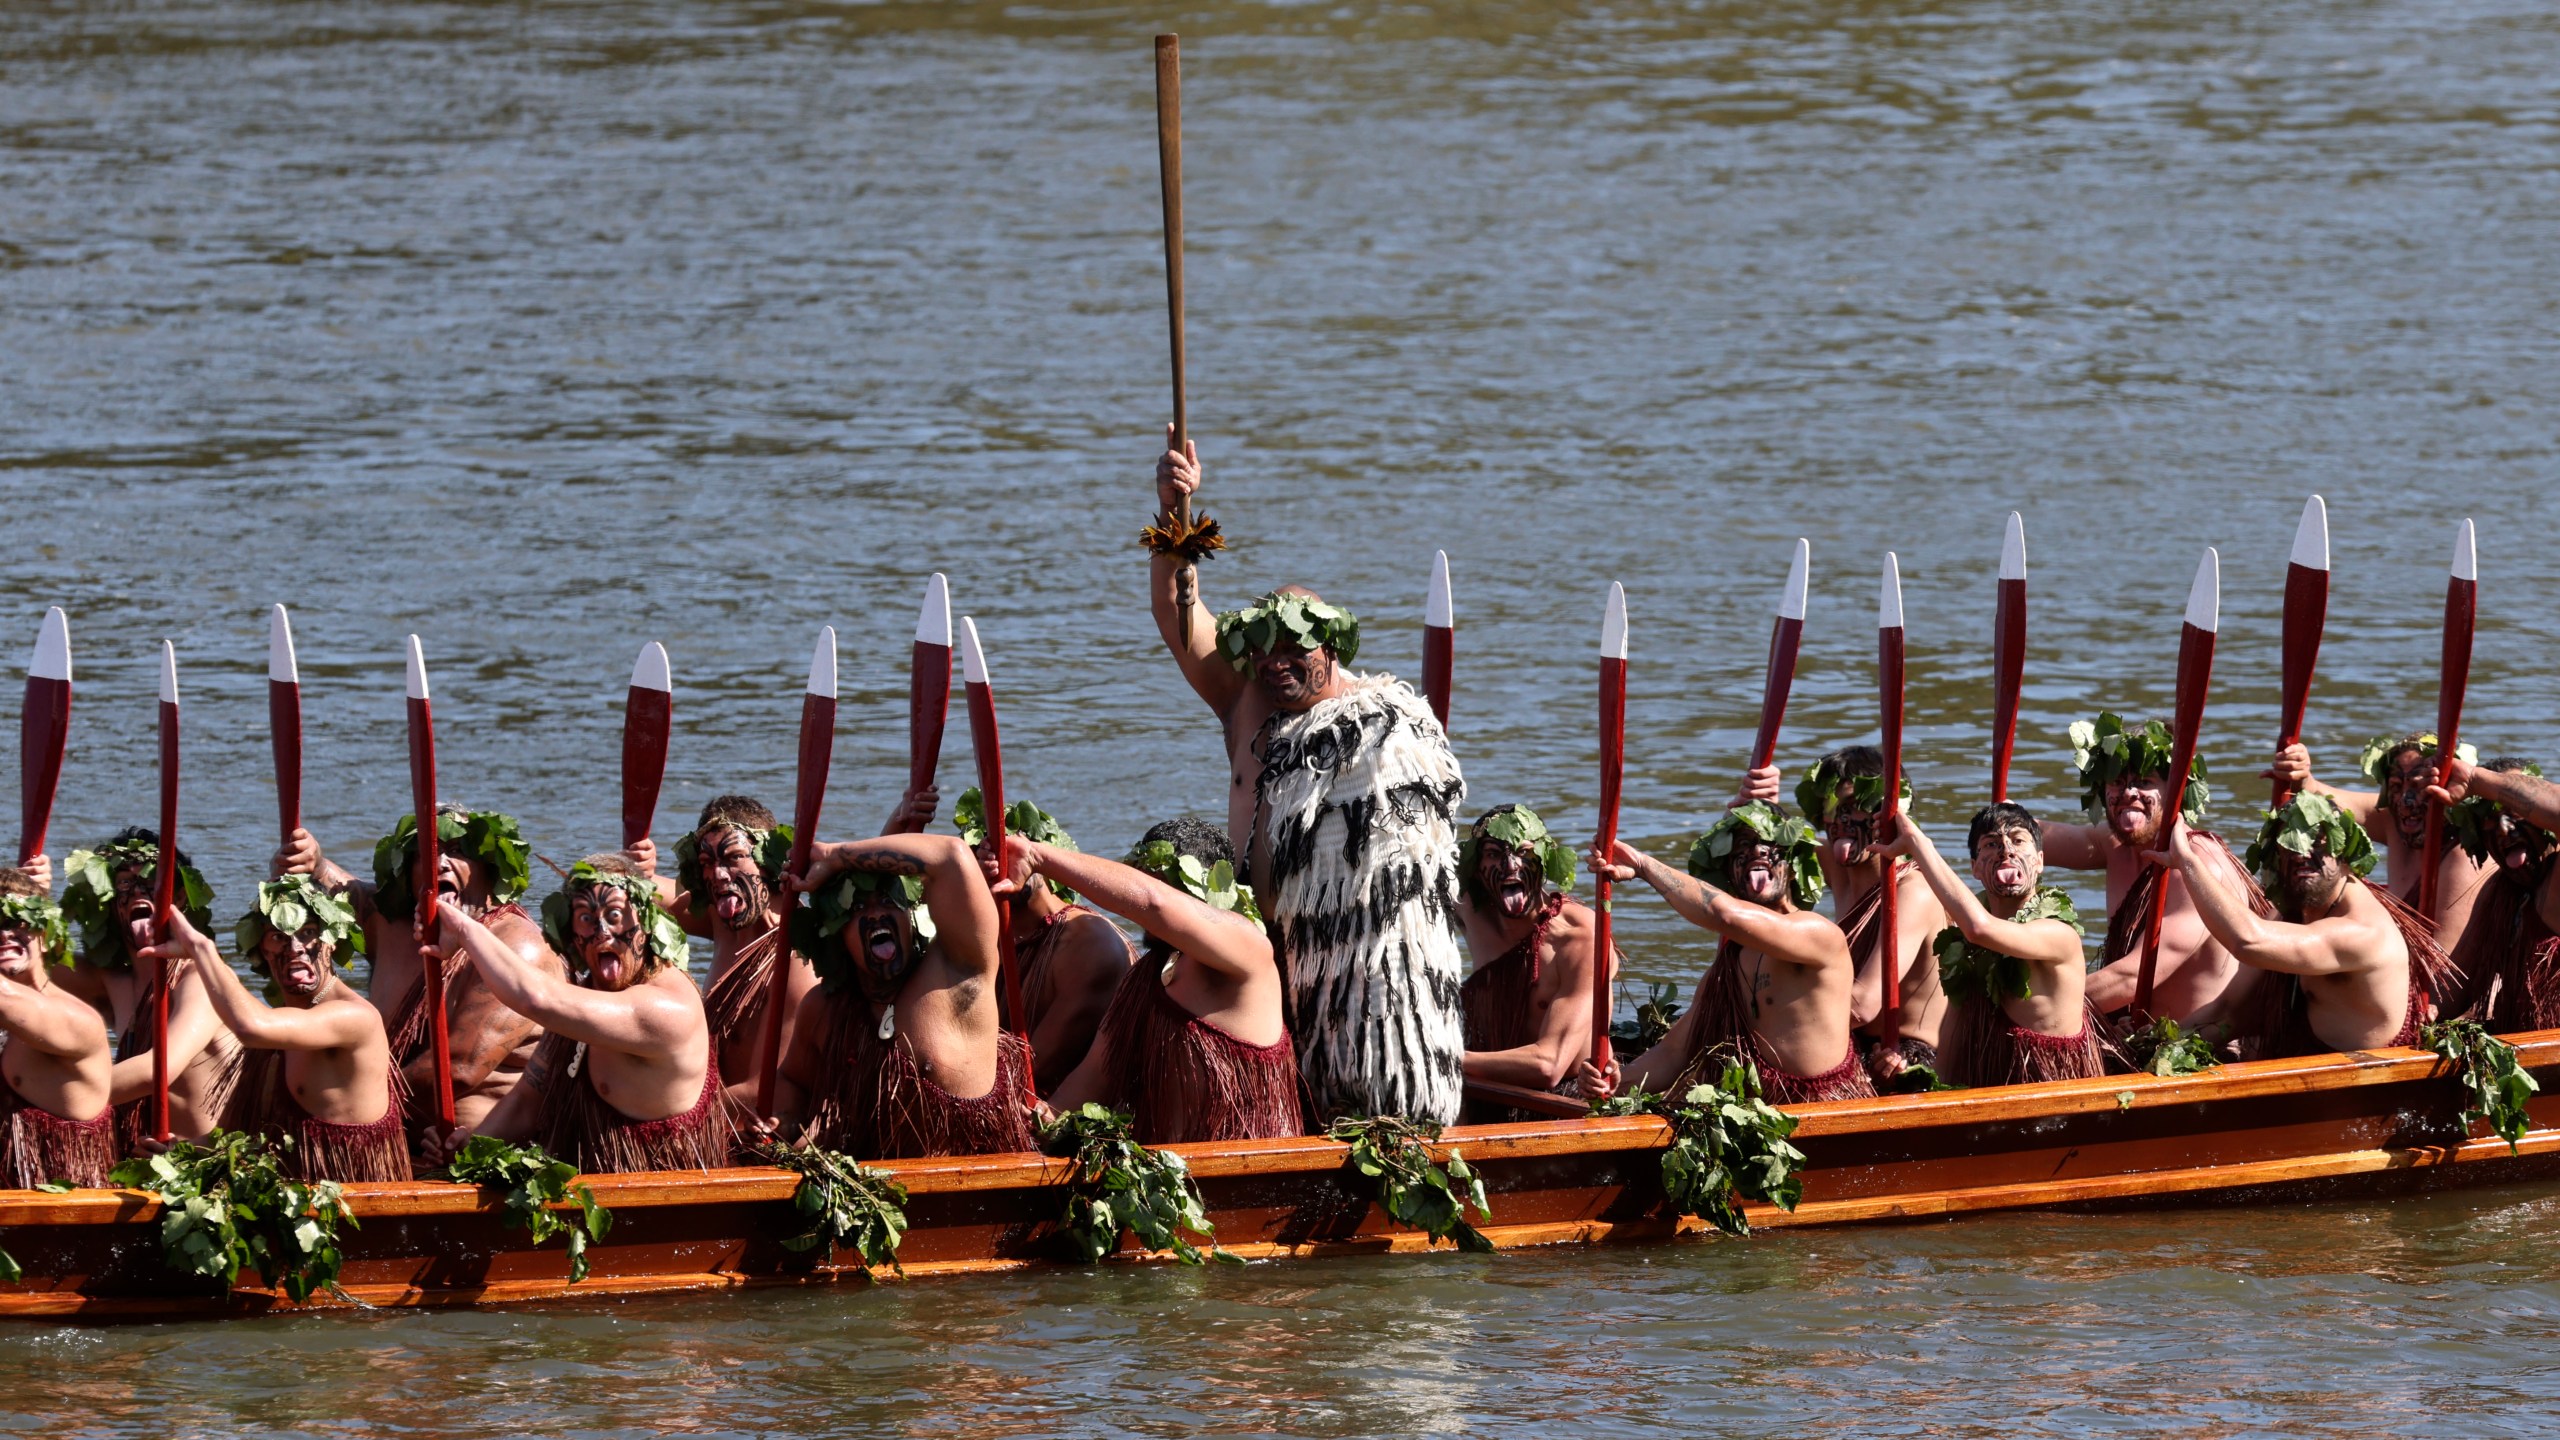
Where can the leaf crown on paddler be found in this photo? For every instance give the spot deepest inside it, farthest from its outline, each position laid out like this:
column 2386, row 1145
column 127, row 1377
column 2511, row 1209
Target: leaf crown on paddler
column 2308, row 823
column 1519, row 827
column 1021, row 817
column 1710, row 857
column 2381, row 750
column 1310, row 623
column 489, row 838
column 23, row 906
column 817, row 926
column 769, row 842
column 661, row 933
column 2470, row 819
column 89, row 893
column 1974, row 972
column 1213, row 884
column 1818, row 791
column 288, row 903
column 2103, row 750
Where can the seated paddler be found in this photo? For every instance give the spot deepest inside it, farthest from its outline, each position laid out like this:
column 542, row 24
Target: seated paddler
column 2394, row 813
column 1530, row 948
column 1068, row 959
column 2011, row 960
column 318, row 1074
column 54, row 1060
column 1192, row 1046
column 728, row 887
column 1843, row 796
column 899, row 1053
column 2508, row 950
column 1778, row 994
column 625, row 1077
column 111, row 893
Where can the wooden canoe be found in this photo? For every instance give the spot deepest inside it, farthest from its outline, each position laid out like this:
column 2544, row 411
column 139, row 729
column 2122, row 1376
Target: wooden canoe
column 2278, row 1129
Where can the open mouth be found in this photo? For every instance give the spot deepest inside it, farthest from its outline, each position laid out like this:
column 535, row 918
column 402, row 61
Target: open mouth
column 1514, row 896
column 301, row 976
column 729, row 903
column 1761, row 878
column 880, row 942
column 2009, row 875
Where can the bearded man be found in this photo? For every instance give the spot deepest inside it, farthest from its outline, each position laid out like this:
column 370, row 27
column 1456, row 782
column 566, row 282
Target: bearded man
column 482, row 867
column 2011, row 961
column 319, row 1072
column 111, row 892
column 1342, row 798
column 2394, row 814
column 1192, row 1046
column 1531, row 948
column 1844, row 795
column 55, row 1069
column 1068, row 959
column 626, row 1078
column 2508, row 952
column 728, row 886
column 1778, row 994
column 899, row 1054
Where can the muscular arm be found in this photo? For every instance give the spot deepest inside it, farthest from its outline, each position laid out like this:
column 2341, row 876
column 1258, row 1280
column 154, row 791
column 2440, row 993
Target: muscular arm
column 2042, row 942
column 2529, row 796
column 1565, row 1035
column 1222, row 940
column 642, row 1018
column 59, row 1024
column 2078, row 847
column 2335, row 946
column 192, row 1026
column 1210, row 675
column 964, row 912
column 1795, row 938
column 259, row 1025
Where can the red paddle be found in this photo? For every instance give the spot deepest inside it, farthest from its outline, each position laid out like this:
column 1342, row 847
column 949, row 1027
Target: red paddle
column 1439, row 640
column 424, row 881
column 166, row 902
column 1613, row 765
column 284, row 721
column 990, row 752
column 929, row 685
column 2195, row 674
column 646, row 715
column 2008, row 653
column 817, row 751
column 44, row 729
column 2461, row 611
column 1889, row 656
column 2306, row 614
column 1784, row 638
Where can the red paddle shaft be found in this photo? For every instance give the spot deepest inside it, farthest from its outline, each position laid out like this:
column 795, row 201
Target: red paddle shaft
column 1784, row 640
column 284, row 728
column 2306, row 615
column 2461, row 613
column 647, row 716
column 1613, row 766
column 990, row 752
column 425, row 883
column 44, row 729
column 817, row 752
column 928, row 708
column 1889, row 657
column 2008, row 677
column 2195, row 674
column 1439, row 664
column 167, row 902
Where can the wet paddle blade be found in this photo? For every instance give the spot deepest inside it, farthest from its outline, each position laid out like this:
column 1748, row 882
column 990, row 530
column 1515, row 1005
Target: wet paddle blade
column 1439, row 640
column 166, row 873
column 2008, row 652
column 817, row 753
column 984, row 740
column 648, row 712
column 44, row 730
column 1785, row 637
column 425, row 879
column 2306, row 615
column 1613, row 764
column 284, row 720
column 2453, row 679
column 2195, row 677
column 929, row 685
column 1889, row 690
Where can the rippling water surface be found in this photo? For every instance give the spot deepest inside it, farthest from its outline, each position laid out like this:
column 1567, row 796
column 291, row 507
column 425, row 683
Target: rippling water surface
column 544, row 331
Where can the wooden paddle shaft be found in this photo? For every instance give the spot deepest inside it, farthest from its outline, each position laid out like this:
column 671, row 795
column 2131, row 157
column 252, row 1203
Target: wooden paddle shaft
column 928, row 709
column 1889, row 658
column 817, row 752
column 1784, row 639
column 2008, row 676
column 424, row 883
column 2195, row 675
column 284, row 730
column 2306, row 614
column 165, row 903
column 1186, row 582
column 2461, row 614
column 44, row 728
column 983, row 739
column 1613, row 767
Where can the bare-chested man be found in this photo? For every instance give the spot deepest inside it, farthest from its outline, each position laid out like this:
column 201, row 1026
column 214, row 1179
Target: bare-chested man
column 54, row 1061
column 2394, row 813
column 110, row 891
column 1068, row 960
column 1778, row 992
column 2508, row 952
column 728, row 886
column 1342, row 797
column 898, row 1053
column 1530, row 945
column 1192, row 1046
column 319, row 1072
column 1843, row 795
column 626, row 1078
column 2011, row 961
column 483, row 866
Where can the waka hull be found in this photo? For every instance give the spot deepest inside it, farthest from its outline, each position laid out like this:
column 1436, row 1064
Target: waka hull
column 2279, row 1129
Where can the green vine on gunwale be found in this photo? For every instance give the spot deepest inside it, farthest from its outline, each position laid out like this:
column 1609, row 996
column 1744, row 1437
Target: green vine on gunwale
column 1413, row 1190
column 1121, row 1184
column 2495, row 1087
column 226, row 1205
column 842, row 1203
column 1728, row 1144
column 534, row 1182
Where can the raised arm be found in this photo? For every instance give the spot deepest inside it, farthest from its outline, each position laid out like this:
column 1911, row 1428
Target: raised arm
column 2529, row 796
column 50, row 1020
column 2043, row 942
column 192, row 1026
column 1216, row 681
column 2078, row 847
column 259, row 1025
column 643, row 1017
column 964, row 911
column 1797, row 938
column 2292, row 769
column 2334, row 946
column 1220, row 939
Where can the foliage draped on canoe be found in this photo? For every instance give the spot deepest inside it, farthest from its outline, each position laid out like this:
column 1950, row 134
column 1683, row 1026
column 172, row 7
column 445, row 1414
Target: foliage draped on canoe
column 1412, row 1189
column 842, row 1203
column 1121, row 1184
column 227, row 1205
column 534, row 1182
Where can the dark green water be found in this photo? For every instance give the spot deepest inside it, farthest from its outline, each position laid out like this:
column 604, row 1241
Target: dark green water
column 545, row 331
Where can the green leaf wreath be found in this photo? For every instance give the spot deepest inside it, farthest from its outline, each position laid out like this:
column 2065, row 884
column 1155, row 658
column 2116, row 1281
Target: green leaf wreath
column 2306, row 822
column 668, row 945
column 227, row 1205
column 1519, row 827
column 534, row 1182
column 1414, row 1190
column 2373, row 761
column 1973, row 972
column 1311, row 624
column 1214, row 884
column 2163, row 1047
column 2104, row 749
column 89, row 895
column 488, row 837
column 842, row 1204
column 40, row 917
column 1728, row 1144
column 969, row 817
column 831, row 906
column 772, row 849
column 1120, row 1184
column 1709, row 855
column 1818, row 791
column 290, row 902
column 2495, row 1088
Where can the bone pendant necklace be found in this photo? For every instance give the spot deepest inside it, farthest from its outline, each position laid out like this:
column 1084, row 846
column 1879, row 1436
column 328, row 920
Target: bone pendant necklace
column 888, row 1021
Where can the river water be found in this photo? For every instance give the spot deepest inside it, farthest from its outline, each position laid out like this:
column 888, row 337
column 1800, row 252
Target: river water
column 546, row 331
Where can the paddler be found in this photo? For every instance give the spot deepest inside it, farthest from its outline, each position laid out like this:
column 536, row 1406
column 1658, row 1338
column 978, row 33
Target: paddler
column 899, row 1054
column 1529, row 948
column 1843, row 793
column 319, row 1069
column 1192, row 1046
column 2508, row 951
column 482, row 867
column 55, row 1066
column 1778, row 993
column 2394, row 813
column 728, row 886
column 110, row 893
column 2011, row 960
column 1068, row 959
column 1342, row 799
column 626, row 1077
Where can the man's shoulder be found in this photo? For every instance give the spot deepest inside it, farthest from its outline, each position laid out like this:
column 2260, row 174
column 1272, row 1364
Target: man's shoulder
column 1094, row 933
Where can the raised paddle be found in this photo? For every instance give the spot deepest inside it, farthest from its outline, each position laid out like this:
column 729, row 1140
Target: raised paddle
column 1186, row 583
column 1784, row 639
column 1439, row 639
column 990, row 752
column 2195, row 674
column 2008, row 653
column 817, row 751
column 646, row 715
column 2453, row 677
column 165, row 903
column 1889, row 656
column 284, row 721
column 44, row 728
column 1613, row 766
column 2306, row 614
column 929, row 685
column 424, row 880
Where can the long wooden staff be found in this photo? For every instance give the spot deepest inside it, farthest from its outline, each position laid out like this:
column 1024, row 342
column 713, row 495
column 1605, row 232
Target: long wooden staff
column 1889, row 657
column 166, row 902
column 1613, row 768
column 2453, row 677
column 1186, row 583
column 2008, row 653
column 2195, row 675
column 929, row 685
column 817, row 752
column 424, row 881
column 1439, row 640
column 990, row 752
column 44, row 729
column 648, row 712
column 1785, row 638
column 2306, row 615
column 284, row 721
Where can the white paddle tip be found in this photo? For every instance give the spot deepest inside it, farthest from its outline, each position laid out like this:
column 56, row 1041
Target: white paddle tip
column 2013, row 548
column 281, row 667
column 168, row 673
column 1799, row 571
column 2466, row 554
column 933, row 623
column 822, row 664
column 1613, row 624
column 651, row 671
column 2311, row 537
column 53, row 648
column 973, row 660
column 2204, row 599
column 1889, row 598
column 1437, row 611
column 417, row 671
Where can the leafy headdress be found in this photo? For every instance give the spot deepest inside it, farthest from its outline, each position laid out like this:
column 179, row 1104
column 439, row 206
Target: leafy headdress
column 1973, row 972
column 288, row 903
column 2103, row 749
column 1519, row 827
column 816, row 926
column 2375, row 761
column 1258, row 628
column 1214, row 884
column 38, row 913
column 2307, row 821
column 1710, row 856
column 661, row 934
column 1818, row 792
column 488, row 837
column 89, row 895
column 2469, row 820
column 772, row 849
column 969, row 817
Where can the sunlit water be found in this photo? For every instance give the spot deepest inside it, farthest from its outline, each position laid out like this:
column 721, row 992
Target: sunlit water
column 543, row 332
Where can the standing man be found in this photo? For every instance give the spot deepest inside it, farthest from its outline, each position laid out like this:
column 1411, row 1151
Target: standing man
column 54, row 1064
column 1530, row 945
column 1068, row 959
column 2394, row 814
column 1342, row 797
column 1844, row 795
column 728, row 886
